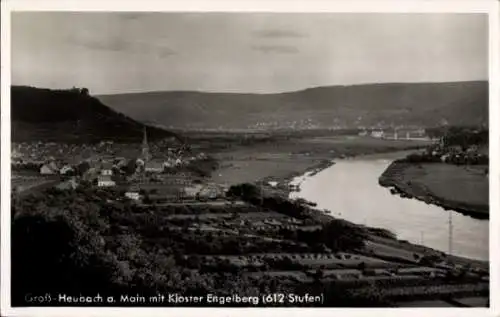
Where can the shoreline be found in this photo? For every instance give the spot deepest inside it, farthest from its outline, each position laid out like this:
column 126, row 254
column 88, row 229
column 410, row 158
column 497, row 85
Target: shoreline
column 391, row 178
column 285, row 182
column 404, row 245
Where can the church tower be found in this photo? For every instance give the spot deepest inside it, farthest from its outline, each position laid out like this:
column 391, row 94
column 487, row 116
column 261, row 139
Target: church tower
column 145, row 147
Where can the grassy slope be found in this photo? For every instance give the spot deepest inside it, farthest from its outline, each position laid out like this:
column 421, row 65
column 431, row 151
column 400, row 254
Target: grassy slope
column 420, row 104
column 461, row 188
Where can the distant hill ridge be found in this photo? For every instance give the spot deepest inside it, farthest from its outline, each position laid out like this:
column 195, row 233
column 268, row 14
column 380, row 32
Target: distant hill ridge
column 71, row 115
column 422, row 104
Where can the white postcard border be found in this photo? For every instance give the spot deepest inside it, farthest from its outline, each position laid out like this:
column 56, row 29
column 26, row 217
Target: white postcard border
column 451, row 6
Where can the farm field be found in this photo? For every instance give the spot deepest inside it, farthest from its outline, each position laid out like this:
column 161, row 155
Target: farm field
column 388, row 262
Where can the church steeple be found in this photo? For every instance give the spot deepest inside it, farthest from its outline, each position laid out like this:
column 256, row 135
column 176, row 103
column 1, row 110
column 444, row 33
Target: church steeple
column 145, row 147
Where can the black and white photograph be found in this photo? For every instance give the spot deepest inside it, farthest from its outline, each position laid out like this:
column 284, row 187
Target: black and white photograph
column 251, row 159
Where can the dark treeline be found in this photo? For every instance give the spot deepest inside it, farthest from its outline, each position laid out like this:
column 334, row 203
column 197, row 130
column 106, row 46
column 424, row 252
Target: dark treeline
column 460, row 136
column 454, row 159
column 466, row 138
column 459, row 146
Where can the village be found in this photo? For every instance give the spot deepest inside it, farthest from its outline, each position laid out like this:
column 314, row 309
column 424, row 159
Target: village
column 154, row 172
column 397, row 133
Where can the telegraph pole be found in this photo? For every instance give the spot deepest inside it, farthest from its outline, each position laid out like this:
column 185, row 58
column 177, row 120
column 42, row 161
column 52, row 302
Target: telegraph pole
column 450, row 233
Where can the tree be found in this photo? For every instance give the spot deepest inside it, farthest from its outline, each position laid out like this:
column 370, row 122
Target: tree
column 194, row 262
column 147, row 199
column 63, row 244
column 430, row 259
column 82, row 168
column 245, row 191
column 339, row 235
column 318, row 275
column 130, row 168
column 361, row 266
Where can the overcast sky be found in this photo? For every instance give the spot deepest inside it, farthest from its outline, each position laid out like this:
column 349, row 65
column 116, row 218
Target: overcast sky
column 244, row 52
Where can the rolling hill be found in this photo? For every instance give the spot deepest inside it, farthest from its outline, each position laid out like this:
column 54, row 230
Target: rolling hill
column 70, row 115
column 421, row 104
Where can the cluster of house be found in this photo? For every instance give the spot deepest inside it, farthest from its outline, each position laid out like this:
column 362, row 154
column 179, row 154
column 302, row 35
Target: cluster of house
column 456, row 154
column 396, row 134
column 107, row 174
column 89, row 167
column 42, row 151
column 38, row 151
column 54, row 168
column 157, row 187
column 100, row 165
column 88, row 171
column 159, row 166
column 50, row 155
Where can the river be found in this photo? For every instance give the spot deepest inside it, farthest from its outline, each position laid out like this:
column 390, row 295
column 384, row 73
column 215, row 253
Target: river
column 349, row 189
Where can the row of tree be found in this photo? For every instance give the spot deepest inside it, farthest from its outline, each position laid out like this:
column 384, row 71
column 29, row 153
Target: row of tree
column 460, row 136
